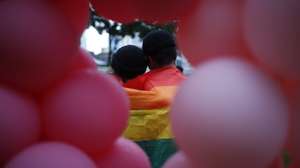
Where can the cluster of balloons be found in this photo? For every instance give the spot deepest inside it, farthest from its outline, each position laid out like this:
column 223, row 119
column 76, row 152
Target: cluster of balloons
column 240, row 108
column 56, row 109
column 245, row 91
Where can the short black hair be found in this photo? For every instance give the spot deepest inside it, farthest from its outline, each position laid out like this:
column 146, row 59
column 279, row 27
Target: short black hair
column 129, row 62
column 160, row 46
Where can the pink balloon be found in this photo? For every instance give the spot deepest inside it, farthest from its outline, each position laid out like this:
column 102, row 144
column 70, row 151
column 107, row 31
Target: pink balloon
column 75, row 13
column 51, row 155
column 19, row 123
column 36, row 45
column 124, row 153
column 271, row 29
column 228, row 114
column 179, row 160
column 88, row 110
column 214, row 29
column 121, row 11
column 165, row 11
column 80, row 61
column 83, row 60
column 277, row 163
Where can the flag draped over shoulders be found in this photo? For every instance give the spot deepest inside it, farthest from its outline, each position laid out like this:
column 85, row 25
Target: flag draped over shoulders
column 149, row 117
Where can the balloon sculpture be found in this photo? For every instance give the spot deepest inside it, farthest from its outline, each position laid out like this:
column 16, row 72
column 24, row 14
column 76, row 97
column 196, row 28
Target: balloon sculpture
column 57, row 110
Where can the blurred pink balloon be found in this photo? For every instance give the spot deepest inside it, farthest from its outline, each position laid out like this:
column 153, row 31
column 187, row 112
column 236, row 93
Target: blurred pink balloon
column 36, row 45
column 19, row 123
column 228, row 114
column 89, row 110
column 214, row 29
column 179, row 160
column 165, row 11
column 83, row 60
column 75, row 13
column 272, row 30
column 51, row 155
column 80, row 61
column 124, row 153
column 277, row 163
column 293, row 166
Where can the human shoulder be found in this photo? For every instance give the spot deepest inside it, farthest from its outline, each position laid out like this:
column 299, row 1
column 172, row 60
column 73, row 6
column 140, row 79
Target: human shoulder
column 136, row 83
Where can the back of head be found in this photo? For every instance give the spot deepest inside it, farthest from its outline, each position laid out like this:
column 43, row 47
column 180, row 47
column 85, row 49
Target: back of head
column 129, row 62
column 160, row 47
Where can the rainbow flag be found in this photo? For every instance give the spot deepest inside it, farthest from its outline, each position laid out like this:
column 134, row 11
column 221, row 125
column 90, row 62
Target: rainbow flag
column 149, row 124
column 149, row 116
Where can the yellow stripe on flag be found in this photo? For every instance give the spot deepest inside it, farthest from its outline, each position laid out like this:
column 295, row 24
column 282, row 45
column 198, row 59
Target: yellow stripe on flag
column 149, row 117
column 148, row 125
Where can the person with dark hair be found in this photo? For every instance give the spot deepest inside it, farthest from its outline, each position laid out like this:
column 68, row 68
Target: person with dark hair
column 160, row 47
column 161, row 50
column 128, row 63
column 149, row 123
